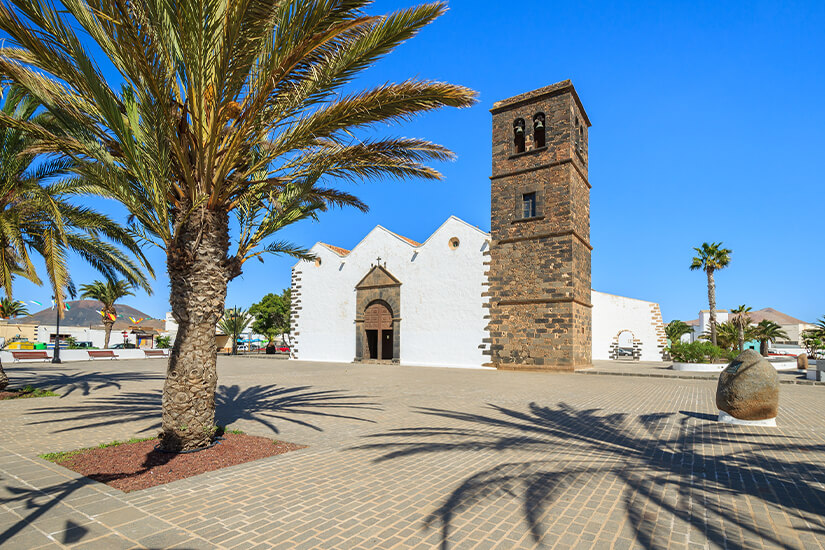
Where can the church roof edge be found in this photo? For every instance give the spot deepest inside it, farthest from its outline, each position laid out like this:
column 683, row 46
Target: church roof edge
column 343, row 252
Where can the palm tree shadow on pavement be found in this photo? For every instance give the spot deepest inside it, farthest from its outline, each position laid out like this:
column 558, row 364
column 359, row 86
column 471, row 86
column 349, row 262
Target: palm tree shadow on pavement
column 68, row 381
column 297, row 405
column 32, row 504
column 672, row 475
column 266, row 405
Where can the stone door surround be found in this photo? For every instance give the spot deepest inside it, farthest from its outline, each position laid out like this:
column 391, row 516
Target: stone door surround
column 378, row 286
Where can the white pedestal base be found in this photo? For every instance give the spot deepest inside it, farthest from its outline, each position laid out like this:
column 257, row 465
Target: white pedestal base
column 728, row 419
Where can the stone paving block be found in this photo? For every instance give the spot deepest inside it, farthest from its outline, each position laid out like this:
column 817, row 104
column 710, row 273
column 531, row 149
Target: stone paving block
column 107, row 542
column 470, row 446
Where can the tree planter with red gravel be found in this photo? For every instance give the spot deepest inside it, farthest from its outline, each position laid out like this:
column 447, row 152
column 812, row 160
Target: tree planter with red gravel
column 137, row 464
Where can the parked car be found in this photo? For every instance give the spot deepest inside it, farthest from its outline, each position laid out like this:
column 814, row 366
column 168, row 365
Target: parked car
column 124, row 345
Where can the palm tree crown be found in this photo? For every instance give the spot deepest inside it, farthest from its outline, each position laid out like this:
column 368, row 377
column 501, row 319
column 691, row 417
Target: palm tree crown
column 710, row 257
column 768, row 331
column 11, row 308
column 35, row 214
column 226, row 108
column 233, row 323
column 107, row 294
column 675, row 329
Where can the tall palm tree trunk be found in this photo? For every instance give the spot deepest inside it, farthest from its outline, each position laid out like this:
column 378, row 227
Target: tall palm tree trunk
column 763, row 347
column 198, row 275
column 741, row 339
column 712, row 304
column 107, row 325
column 4, row 380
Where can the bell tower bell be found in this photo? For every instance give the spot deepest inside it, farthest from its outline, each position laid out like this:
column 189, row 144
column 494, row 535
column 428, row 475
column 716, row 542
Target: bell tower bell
column 539, row 266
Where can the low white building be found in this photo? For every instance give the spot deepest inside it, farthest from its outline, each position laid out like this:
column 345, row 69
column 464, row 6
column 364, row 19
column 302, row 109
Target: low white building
column 792, row 326
column 626, row 328
column 393, row 299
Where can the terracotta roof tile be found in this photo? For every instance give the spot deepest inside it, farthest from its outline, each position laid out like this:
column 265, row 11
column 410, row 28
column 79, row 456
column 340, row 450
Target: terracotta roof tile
column 337, row 249
column 412, row 242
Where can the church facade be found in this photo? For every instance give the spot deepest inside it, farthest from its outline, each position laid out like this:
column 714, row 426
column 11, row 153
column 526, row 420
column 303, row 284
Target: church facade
column 518, row 297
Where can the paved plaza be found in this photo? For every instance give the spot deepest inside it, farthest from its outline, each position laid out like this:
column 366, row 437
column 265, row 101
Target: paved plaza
column 405, row 457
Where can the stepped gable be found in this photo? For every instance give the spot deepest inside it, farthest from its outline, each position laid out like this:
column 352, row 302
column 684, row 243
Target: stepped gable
column 343, row 252
column 86, row 313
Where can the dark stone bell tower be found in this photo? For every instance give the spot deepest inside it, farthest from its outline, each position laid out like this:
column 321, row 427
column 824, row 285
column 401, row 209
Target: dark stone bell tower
column 539, row 264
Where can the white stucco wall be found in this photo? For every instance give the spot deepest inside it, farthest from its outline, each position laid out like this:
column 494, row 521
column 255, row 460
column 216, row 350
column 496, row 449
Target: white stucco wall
column 614, row 314
column 442, row 319
column 81, row 334
column 722, row 316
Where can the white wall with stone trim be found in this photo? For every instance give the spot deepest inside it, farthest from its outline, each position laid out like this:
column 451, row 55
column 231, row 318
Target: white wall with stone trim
column 614, row 314
column 442, row 314
column 442, row 319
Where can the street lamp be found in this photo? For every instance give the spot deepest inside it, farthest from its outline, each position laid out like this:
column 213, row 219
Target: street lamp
column 56, row 354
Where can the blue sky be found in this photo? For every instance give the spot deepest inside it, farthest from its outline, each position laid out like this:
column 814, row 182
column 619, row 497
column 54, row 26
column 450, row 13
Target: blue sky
column 708, row 125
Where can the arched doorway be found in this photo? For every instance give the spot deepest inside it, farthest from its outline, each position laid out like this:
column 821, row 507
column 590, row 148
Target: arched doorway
column 626, row 346
column 378, row 317
column 379, row 331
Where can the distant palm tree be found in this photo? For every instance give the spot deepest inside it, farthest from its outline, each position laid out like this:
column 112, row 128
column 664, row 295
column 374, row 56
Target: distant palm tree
column 711, row 257
column 741, row 320
column 727, row 335
column 35, row 215
column 676, row 329
column 11, row 308
column 242, row 109
column 820, row 328
column 768, row 331
column 233, row 323
column 107, row 294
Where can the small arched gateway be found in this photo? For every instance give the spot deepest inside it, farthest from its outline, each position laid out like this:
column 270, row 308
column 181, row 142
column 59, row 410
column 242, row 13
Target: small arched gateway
column 377, row 318
column 625, row 346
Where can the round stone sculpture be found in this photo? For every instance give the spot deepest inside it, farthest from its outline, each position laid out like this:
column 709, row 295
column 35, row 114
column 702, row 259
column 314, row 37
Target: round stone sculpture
column 802, row 361
column 748, row 388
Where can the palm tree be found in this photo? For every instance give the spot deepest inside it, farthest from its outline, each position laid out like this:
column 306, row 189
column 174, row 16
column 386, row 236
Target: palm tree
column 768, row 331
column 820, row 328
column 107, row 294
column 727, row 335
column 36, row 216
column 675, row 329
column 741, row 320
column 711, row 256
column 11, row 308
column 225, row 108
column 233, row 323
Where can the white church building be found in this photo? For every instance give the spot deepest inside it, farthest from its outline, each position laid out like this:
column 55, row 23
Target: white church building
column 438, row 316
column 518, row 297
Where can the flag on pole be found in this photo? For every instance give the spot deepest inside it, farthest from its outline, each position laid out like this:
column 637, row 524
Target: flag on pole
column 35, row 302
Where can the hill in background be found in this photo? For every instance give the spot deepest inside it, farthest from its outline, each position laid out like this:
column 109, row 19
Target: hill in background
column 86, row 313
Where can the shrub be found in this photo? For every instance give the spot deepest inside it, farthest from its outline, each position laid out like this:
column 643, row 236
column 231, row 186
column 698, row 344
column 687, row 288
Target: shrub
column 699, row 352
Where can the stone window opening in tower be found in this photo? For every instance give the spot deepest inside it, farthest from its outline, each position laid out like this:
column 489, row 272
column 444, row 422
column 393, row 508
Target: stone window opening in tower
column 518, row 134
column 538, row 130
column 528, row 205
